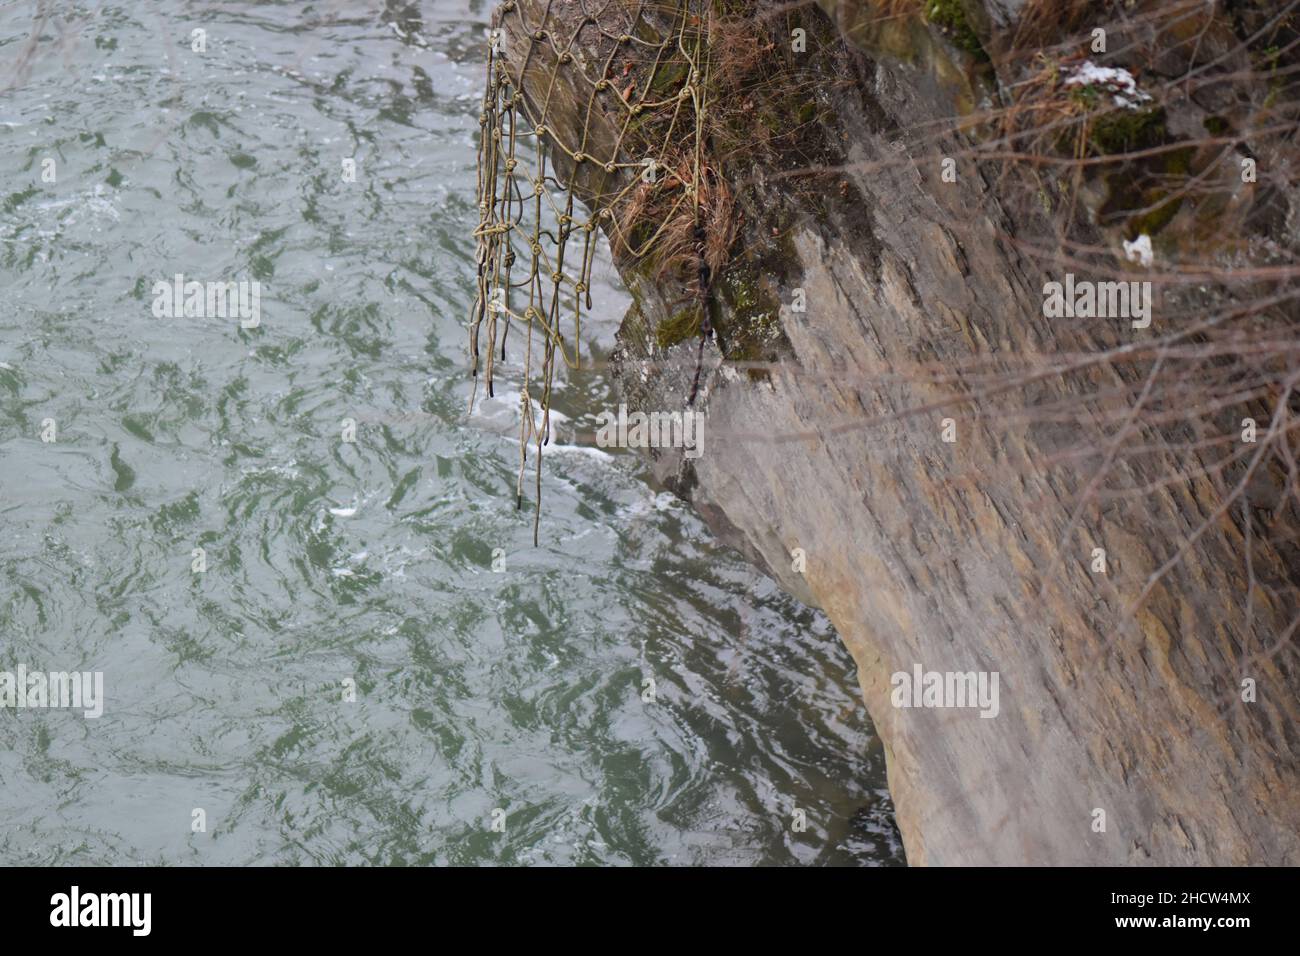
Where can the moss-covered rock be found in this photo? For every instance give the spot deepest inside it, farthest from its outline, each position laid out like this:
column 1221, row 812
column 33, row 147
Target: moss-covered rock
column 678, row 327
column 1124, row 130
column 952, row 18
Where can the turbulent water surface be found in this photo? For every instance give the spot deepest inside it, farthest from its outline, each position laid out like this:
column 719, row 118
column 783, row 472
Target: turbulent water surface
column 477, row 690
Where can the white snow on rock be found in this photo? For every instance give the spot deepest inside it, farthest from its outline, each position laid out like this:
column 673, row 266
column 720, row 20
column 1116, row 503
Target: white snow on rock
column 1115, row 80
column 1139, row 250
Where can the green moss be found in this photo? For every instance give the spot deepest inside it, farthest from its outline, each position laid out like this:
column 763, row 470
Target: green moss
column 773, row 121
column 645, row 32
column 678, row 327
column 669, row 77
column 1157, row 218
column 1178, row 162
column 741, row 293
column 753, row 318
column 1124, row 131
column 1147, row 201
column 950, row 15
column 1217, row 126
column 1085, row 94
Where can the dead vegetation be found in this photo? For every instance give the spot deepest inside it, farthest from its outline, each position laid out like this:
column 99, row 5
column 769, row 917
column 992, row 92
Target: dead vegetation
column 1178, row 127
column 1054, row 125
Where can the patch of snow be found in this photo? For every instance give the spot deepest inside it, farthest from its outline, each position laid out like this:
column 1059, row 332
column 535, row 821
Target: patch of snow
column 1139, row 250
column 1115, row 80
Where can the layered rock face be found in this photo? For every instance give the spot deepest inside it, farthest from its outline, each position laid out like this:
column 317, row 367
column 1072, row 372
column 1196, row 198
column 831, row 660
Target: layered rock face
column 899, row 435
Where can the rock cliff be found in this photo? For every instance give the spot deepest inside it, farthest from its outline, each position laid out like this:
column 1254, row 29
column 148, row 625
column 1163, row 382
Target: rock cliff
column 899, row 434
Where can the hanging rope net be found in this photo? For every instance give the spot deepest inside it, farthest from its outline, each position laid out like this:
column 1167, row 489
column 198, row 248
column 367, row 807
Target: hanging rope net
column 593, row 118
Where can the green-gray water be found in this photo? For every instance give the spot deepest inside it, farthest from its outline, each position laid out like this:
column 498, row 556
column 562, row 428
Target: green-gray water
column 477, row 690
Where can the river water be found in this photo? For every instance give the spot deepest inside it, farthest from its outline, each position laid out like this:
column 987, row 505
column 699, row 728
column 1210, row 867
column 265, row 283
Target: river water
column 179, row 510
